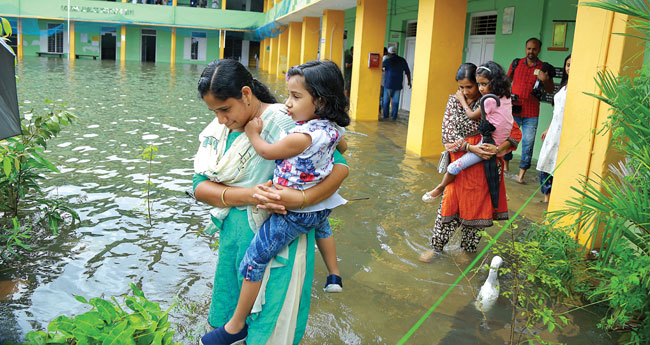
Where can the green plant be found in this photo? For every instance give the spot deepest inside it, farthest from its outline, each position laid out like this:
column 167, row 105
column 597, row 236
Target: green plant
column 109, row 323
column 23, row 164
column 613, row 209
column 147, row 154
column 540, row 263
column 13, row 238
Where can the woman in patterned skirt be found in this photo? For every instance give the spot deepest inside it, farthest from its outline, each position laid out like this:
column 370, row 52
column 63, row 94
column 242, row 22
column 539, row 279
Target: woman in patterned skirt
column 466, row 202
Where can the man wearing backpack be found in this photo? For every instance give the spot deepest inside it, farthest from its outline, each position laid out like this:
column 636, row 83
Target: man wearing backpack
column 524, row 74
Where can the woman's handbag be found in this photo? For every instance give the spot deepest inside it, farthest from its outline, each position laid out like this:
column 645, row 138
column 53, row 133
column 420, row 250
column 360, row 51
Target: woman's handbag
column 444, row 162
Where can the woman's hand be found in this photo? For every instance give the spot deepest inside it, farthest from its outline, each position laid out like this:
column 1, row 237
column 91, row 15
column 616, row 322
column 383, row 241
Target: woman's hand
column 544, row 135
column 276, row 198
column 485, row 151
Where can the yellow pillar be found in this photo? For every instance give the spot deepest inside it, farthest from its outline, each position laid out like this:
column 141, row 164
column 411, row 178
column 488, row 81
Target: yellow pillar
column 283, row 43
column 438, row 52
column 309, row 39
column 71, row 43
column 331, row 47
column 172, row 57
column 597, row 47
column 222, row 37
column 123, row 44
column 273, row 54
column 370, row 19
column 20, row 39
column 293, row 52
column 174, row 2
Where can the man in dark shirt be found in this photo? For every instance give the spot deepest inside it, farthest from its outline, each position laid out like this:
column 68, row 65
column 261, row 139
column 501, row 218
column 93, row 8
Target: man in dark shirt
column 394, row 67
column 526, row 109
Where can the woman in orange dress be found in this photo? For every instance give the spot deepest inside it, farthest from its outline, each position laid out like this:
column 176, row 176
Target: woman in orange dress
column 466, row 202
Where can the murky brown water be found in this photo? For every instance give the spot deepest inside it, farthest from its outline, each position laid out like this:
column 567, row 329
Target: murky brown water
column 386, row 289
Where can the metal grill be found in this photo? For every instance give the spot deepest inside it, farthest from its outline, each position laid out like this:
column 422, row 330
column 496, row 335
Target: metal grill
column 411, row 29
column 484, row 25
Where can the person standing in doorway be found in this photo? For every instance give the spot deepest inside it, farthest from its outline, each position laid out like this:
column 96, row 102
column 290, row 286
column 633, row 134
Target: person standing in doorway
column 524, row 73
column 394, row 67
column 347, row 72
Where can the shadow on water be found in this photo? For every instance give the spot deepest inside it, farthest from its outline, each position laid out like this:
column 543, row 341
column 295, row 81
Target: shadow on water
column 124, row 107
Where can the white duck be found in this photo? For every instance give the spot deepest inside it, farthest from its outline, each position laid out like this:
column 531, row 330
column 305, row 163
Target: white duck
column 489, row 292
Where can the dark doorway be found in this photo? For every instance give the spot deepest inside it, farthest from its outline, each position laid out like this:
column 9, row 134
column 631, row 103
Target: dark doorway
column 148, row 48
column 108, row 43
column 233, row 45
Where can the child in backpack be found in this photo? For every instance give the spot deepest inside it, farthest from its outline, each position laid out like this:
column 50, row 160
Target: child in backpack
column 491, row 78
column 303, row 158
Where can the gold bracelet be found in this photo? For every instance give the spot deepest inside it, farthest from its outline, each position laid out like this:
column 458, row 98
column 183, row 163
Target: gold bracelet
column 223, row 192
column 304, row 199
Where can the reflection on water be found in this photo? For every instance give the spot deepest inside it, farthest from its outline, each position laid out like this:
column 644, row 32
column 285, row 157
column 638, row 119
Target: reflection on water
column 122, row 109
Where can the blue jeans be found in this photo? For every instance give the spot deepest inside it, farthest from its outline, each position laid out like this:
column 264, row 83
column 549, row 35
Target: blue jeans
column 391, row 94
column 546, row 184
column 275, row 234
column 528, row 127
column 464, row 162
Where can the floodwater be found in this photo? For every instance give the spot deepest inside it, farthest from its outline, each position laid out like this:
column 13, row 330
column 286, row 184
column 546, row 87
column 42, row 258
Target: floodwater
column 123, row 108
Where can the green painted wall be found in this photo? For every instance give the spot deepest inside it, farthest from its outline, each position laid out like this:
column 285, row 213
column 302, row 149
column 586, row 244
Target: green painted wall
column 532, row 19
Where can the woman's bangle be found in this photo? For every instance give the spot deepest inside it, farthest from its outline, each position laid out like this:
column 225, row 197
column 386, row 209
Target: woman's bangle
column 304, row 199
column 466, row 109
column 223, row 193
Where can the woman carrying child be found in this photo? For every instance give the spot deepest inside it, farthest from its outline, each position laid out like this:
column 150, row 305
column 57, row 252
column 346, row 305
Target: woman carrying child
column 491, row 79
column 466, row 202
column 234, row 179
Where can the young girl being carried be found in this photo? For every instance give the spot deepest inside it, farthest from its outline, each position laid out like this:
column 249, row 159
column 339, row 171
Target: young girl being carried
column 303, row 158
column 491, row 78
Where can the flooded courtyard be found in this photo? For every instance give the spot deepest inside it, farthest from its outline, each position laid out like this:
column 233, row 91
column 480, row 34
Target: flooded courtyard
column 123, row 108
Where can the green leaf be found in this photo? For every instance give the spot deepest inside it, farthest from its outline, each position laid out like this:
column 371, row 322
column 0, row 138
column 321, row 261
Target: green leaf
column 81, row 299
column 121, row 334
column 105, row 308
column 6, row 165
column 89, row 324
column 62, row 324
column 36, row 338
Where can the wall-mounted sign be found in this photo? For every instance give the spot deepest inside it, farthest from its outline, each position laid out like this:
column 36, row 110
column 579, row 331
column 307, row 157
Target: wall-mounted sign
column 98, row 10
column 374, row 60
column 508, row 20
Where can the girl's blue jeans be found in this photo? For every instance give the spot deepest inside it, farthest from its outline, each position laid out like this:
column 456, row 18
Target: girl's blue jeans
column 275, row 234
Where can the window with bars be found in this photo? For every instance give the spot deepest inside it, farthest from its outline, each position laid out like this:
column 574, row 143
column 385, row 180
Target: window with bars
column 411, row 29
column 484, row 25
column 54, row 38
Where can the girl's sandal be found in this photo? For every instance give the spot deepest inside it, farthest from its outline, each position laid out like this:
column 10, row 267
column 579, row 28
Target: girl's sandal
column 428, row 198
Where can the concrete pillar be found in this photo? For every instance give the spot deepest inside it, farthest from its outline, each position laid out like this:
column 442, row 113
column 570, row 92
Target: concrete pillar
column 20, row 39
column 262, row 63
column 331, row 47
column 438, row 52
column 597, row 46
column 309, row 39
column 283, row 42
column 172, row 57
column 71, row 42
column 222, row 43
column 222, row 37
column 370, row 19
column 273, row 55
column 245, row 52
column 293, row 52
column 123, row 44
